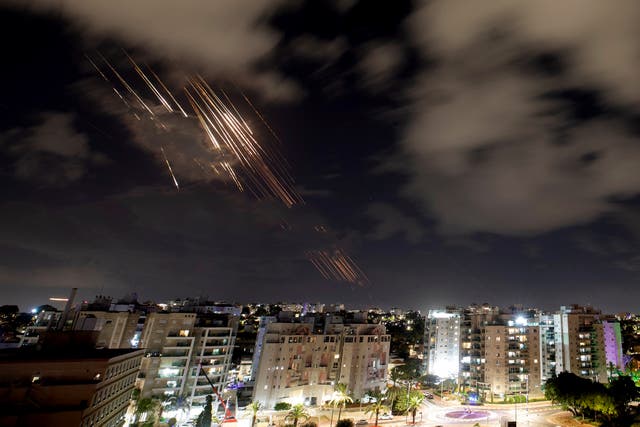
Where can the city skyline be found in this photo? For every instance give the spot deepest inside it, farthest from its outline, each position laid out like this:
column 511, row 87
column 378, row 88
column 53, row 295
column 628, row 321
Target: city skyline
column 444, row 156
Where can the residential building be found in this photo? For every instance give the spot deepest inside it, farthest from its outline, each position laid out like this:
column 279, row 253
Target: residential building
column 511, row 357
column 547, row 347
column 66, row 386
column 299, row 365
column 442, row 343
column 587, row 342
column 182, row 350
column 115, row 329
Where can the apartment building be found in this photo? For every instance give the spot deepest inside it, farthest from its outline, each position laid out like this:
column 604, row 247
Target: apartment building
column 115, row 329
column 299, row 365
column 66, row 386
column 511, row 359
column 442, row 343
column 182, row 350
column 547, row 347
column 587, row 342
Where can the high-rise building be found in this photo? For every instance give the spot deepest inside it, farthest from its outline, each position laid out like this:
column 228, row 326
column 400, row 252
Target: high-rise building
column 442, row 343
column 299, row 365
column 587, row 342
column 511, row 359
column 182, row 350
column 547, row 347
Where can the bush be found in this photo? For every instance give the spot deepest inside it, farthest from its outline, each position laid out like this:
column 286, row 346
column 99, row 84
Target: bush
column 282, row 406
column 309, row 424
column 345, row 423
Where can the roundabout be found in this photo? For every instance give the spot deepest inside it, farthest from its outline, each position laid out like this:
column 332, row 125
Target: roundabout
column 467, row 415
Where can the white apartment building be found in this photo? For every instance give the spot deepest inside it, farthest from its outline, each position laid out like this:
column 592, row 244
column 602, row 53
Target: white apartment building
column 442, row 343
column 299, row 366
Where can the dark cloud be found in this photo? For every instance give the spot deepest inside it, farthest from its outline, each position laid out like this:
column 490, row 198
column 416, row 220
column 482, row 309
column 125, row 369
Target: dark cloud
column 379, row 63
column 52, row 152
column 390, row 222
column 487, row 150
column 224, row 38
column 314, row 48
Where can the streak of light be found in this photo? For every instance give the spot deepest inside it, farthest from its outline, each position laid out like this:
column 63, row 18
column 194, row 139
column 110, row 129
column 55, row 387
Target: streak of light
column 97, row 68
column 126, row 85
column 58, row 299
column 184, row 113
column 229, row 133
column 337, row 265
column 150, row 84
column 261, row 117
column 166, row 160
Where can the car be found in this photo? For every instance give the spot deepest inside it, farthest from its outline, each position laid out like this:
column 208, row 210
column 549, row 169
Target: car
column 428, row 395
column 362, row 423
column 385, row 416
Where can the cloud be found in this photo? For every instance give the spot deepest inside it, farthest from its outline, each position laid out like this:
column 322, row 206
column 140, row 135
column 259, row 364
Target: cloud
column 389, row 222
column 226, row 38
column 379, row 62
column 317, row 49
column 488, row 149
column 51, row 153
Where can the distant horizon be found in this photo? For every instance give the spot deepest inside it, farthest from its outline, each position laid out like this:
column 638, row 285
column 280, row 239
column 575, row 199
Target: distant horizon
column 355, row 306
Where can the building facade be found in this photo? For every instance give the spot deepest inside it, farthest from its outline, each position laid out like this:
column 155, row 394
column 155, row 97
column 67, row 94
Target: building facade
column 442, row 343
column 182, row 350
column 67, row 386
column 299, row 366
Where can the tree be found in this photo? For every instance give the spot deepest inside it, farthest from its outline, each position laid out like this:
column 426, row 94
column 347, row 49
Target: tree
column 610, row 405
column 392, row 395
column 254, row 407
column 204, row 419
column 341, row 398
column 148, row 406
column 376, row 407
column 414, row 402
column 282, row 406
column 296, row 413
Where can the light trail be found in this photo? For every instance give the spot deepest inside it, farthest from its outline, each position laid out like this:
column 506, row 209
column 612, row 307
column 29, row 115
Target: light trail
column 166, row 160
column 232, row 152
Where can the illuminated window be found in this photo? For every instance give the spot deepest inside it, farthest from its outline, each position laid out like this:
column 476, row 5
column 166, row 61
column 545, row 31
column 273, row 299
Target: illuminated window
column 184, row 333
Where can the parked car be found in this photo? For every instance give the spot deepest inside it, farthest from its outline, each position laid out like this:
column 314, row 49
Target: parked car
column 385, row 416
column 362, row 423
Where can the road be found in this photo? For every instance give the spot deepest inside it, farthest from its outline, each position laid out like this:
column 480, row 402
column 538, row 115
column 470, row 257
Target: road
column 438, row 413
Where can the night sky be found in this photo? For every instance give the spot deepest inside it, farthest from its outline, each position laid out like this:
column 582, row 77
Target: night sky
column 459, row 152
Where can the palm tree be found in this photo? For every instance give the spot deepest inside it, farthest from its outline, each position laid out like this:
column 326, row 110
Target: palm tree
column 297, row 412
column 147, row 405
column 341, row 398
column 413, row 403
column 392, row 395
column 254, row 407
column 376, row 407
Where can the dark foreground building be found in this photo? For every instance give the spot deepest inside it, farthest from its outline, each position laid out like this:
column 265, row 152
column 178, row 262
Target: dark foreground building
column 66, row 386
